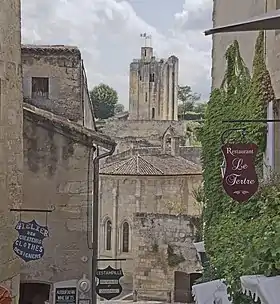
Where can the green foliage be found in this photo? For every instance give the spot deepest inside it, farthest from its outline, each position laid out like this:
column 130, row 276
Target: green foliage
column 104, row 100
column 186, row 99
column 173, row 258
column 240, row 239
column 119, row 108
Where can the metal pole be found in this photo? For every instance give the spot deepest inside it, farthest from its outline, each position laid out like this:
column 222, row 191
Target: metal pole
column 95, row 220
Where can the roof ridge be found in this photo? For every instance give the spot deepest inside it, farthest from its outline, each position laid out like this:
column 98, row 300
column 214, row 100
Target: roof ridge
column 149, row 163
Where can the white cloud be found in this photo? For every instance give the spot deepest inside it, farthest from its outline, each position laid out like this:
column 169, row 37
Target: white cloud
column 107, row 32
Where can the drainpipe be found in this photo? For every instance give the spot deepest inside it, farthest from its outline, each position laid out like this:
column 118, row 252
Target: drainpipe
column 95, row 219
column 270, row 146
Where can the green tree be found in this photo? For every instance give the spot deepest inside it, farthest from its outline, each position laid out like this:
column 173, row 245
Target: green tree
column 119, row 108
column 200, row 107
column 104, row 99
column 186, row 99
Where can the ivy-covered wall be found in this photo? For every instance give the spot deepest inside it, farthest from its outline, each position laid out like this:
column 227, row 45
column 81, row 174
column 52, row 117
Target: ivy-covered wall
column 240, row 239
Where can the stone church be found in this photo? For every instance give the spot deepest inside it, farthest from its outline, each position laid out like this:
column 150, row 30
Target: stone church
column 147, row 188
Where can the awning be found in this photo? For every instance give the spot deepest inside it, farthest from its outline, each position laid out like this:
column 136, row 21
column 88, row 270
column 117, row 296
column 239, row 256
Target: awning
column 207, row 293
column 266, row 289
column 267, row 21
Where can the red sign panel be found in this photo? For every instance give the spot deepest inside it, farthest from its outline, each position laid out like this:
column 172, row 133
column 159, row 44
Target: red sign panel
column 5, row 296
column 240, row 179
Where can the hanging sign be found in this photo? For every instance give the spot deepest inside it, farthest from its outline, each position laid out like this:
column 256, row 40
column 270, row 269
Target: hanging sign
column 240, row 180
column 66, row 295
column 29, row 244
column 109, row 286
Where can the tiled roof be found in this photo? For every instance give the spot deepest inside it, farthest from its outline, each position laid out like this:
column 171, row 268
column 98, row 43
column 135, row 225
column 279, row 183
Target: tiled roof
column 162, row 164
column 50, row 49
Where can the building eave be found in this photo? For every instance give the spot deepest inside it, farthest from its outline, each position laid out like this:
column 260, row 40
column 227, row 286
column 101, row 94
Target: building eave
column 267, row 21
column 76, row 132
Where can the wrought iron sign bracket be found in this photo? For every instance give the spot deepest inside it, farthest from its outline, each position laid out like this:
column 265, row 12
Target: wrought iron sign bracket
column 32, row 210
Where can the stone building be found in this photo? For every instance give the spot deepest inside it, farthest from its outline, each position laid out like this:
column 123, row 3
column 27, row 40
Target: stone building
column 48, row 143
column 54, row 79
column 60, row 143
column 158, row 183
column 11, row 151
column 229, row 12
column 153, row 87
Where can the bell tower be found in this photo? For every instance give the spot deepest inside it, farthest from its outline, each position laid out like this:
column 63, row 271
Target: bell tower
column 153, row 86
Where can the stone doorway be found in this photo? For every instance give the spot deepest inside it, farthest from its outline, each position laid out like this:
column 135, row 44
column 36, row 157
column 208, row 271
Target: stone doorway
column 34, row 293
column 181, row 287
column 183, row 283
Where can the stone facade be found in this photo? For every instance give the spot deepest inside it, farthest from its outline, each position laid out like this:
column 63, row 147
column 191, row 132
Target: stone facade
column 11, row 151
column 155, row 184
column 228, row 12
column 54, row 79
column 153, row 87
column 163, row 245
column 57, row 174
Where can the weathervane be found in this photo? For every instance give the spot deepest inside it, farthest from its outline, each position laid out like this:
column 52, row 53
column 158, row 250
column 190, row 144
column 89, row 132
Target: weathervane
column 147, row 39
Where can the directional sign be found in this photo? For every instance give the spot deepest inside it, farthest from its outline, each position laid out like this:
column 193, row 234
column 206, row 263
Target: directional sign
column 109, row 286
column 29, row 244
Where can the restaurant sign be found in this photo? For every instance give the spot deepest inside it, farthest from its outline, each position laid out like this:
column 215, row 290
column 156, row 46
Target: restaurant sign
column 240, row 180
column 29, row 244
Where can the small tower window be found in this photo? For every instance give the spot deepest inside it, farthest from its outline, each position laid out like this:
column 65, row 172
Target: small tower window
column 152, row 77
column 145, row 53
column 146, row 96
column 153, row 113
column 139, row 74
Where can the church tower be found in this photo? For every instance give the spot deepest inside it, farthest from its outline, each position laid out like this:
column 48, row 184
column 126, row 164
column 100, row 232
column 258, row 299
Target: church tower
column 11, row 150
column 153, row 87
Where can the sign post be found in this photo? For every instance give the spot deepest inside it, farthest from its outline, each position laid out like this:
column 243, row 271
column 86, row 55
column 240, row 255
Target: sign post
column 109, row 286
column 240, row 180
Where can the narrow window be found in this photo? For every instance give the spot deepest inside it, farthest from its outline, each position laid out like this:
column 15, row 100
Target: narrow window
column 125, row 234
column 139, row 74
column 108, row 235
column 40, row 87
column 153, row 113
column 145, row 53
column 152, row 77
column 146, row 96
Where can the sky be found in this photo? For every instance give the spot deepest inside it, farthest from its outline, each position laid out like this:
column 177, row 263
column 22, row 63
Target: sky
column 108, row 35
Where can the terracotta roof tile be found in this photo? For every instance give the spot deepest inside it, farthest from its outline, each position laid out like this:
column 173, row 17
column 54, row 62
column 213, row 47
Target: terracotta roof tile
column 162, row 164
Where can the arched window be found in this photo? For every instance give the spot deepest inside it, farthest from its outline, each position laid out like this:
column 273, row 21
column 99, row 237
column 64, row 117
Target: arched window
column 108, row 235
column 125, row 235
column 153, row 113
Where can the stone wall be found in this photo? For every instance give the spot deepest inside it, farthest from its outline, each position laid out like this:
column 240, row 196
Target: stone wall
column 227, row 12
column 122, row 196
column 56, row 171
column 190, row 153
column 11, row 152
column 163, row 245
column 151, row 132
column 62, row 65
